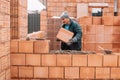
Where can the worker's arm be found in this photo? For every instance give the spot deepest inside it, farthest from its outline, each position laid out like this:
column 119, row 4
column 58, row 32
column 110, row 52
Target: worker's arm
column 78, row 31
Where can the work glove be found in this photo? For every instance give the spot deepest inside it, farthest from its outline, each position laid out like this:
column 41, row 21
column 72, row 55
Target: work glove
column 70, row 42
column 73, row 40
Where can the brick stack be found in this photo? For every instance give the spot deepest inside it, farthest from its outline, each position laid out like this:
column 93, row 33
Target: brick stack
column 28, row 64
column 101, row 31
column 52, row 30
column 18, row 18
column 4, row 40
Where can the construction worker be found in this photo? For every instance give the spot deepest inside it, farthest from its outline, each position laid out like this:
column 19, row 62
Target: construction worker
column 73, row 26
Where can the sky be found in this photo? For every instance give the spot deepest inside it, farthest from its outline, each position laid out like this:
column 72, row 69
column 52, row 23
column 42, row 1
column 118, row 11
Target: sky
column 35, row 5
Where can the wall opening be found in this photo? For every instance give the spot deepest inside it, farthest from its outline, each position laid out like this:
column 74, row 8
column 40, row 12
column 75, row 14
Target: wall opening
column 96, row 11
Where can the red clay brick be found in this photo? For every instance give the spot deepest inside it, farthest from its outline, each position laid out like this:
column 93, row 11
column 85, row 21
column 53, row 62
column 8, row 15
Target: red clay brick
column 116, row 45
column 108, row 29
column 90, row 38
column 49, row 60
column 14, row 46
column 94, row 60
column 110, row 60
column 43, row 13
column 100, row 38
column 79, row 60
column 107, row 20
column 17, row 59
column 108, row 38
column 97, row 20
column 115, row 38
column 99, row 29
column 116, row 21
column 14, row 71
column 102, row 73
column 87, row 73
column 64, row 35
column 4, row 63
column 118, row 59
column 33, row 59
column 42, row 46
column 2, row 75
column 115, row 73
column 8, row 75
column 56, row 72
column 87, row 20
column 89, row 46
column 116, row 30
column 107, row 1
column 84, row 29
column 40, row 72
column 0, row 65
column 116, row 49
column 90, row 29
column 26, row 72
column 26, row 46
column 64, row 60
column 72, row 72
column 82, row 1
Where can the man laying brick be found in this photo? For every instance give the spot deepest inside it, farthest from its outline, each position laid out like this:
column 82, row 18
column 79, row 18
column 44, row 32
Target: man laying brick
column 75, row 42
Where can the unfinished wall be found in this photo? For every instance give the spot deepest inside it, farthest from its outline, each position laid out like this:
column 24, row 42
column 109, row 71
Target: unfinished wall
column 18, row 19
column 4, row 39
column 97, row 31
column 52, row 30
column 28, row 62
column 43, row 21
column 56, row 7
column 101, row 31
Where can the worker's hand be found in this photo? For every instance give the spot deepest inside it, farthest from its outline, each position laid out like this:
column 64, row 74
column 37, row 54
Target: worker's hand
column 73, row 39
column 70, row 42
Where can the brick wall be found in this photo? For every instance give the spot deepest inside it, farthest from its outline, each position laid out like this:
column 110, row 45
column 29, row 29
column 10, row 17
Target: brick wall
column 92, row 34
column 54, row 25
column 26, row 64
column 118, row 7
column 97, row 31
column 56, row 7
column 100, row 31
column 18, row 19
column 43, row 20
column 4, row 40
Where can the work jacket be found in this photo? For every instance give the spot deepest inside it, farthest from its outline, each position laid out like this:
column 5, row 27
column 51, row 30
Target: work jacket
column 76, row 29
